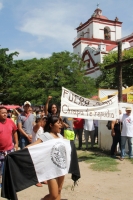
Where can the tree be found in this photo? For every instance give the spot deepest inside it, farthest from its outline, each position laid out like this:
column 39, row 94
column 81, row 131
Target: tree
column 6, row 63
column 35, row 79
column 108, row 78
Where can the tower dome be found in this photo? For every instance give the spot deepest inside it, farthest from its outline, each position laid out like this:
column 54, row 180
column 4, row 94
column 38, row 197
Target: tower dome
column 98, row 14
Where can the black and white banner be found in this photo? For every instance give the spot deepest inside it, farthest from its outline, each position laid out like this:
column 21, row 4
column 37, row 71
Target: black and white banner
column 75, row 106
column 38, row 163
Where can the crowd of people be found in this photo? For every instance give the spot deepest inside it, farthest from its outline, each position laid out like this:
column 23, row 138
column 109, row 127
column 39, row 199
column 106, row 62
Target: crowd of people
column 27, row 126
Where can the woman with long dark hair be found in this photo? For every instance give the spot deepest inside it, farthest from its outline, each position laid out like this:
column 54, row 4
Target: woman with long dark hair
column 51, row 109
column 53, row 129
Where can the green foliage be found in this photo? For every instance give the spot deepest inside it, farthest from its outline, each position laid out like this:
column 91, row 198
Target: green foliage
column 6, row 63
column 35, row 79
column 109, row 78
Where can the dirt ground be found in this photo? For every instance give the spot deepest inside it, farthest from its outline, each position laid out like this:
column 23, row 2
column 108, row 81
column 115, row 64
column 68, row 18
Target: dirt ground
column 92, row 185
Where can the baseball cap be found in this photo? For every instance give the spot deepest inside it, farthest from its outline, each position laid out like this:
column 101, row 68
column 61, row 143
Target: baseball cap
column 27, row 102
column 128, row 108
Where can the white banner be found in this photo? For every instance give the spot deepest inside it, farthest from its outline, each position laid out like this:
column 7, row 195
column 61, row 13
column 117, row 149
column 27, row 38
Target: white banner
column 76, row 106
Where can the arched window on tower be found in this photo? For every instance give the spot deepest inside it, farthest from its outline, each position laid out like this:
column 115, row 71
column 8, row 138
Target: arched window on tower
column 107, row 35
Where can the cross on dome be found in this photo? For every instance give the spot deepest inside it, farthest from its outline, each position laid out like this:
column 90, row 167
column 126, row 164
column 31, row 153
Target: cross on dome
column 98, row 5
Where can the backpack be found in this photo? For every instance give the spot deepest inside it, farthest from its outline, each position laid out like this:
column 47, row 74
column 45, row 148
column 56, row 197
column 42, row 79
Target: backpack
column 109, row 125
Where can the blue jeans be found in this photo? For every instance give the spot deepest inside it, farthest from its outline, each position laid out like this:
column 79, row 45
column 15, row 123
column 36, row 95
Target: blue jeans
column 1, row 171
column 130, row 146
column 23, row 142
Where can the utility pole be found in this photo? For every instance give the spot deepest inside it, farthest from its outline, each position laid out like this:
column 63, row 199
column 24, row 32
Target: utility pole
column 119, row 72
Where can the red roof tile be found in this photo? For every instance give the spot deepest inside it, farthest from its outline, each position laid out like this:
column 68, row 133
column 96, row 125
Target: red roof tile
column 110, row 47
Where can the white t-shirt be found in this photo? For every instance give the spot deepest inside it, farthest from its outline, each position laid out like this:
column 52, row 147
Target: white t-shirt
column 127, row 125
column 89, row 125
column 47, row 136
column 36, row 135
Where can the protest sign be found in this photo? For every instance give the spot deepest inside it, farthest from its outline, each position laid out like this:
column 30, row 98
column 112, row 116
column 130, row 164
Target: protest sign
column 76, row 106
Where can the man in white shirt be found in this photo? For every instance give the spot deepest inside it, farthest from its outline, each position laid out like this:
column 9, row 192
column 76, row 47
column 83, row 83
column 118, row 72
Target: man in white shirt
column 127, row 132
column 89, row 129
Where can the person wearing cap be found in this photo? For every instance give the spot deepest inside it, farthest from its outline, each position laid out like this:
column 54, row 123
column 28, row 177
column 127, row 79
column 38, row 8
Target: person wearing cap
column 127, row 132
column 26, row 120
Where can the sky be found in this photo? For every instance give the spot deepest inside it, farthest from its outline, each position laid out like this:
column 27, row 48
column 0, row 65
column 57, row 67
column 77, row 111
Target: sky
column 37, row 28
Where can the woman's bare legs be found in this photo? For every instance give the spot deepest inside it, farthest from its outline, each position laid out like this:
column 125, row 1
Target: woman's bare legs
column 55, row 186
column 60, row 181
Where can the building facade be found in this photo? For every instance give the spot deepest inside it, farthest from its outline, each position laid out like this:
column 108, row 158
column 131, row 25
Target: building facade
column 97, row 37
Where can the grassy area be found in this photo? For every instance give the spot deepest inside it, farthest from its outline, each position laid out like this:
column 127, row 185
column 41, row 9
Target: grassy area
column 100, row 160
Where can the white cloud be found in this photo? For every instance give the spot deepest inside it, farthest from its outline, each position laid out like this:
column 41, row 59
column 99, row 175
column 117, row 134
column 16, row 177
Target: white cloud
column 48, row 26
column 51, row 21
column 25, row 55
